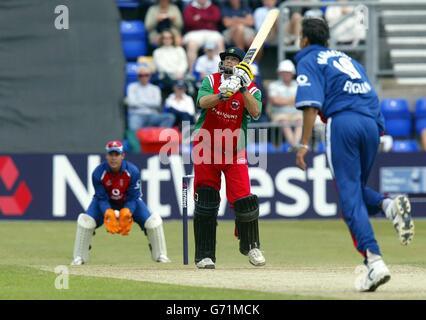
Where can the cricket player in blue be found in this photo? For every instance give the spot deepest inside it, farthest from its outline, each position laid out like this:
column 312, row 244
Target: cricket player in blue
column 336, row 86
column 117, row 202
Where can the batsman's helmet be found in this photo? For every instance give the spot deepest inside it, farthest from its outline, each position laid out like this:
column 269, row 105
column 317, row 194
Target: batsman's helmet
column 233, row 51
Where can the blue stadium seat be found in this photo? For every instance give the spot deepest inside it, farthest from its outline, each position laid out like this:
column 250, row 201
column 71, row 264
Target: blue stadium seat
column 420, row 125
column 131, row 72
column 405, row 146
column 398, row 127
column 421, row 108
column 420, row 115
column 282, row 148
column 397, row 117
column 285, row 147
column 395, row 109
column 133, row 38
column 272, row 148
column 128, row 3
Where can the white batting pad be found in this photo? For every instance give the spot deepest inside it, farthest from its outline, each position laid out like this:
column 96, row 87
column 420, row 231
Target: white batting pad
column 156, row 238
column 83, row 238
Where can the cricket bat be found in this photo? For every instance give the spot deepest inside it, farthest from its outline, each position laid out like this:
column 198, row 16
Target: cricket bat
column 261, row 35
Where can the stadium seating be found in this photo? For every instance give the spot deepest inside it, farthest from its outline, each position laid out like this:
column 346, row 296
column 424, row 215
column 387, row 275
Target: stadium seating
column 397, row 117
column 131, row 72
column 395, row 108
column 150, row 139
column 285, row 147
column 133, row 37
column 420, row 115
column 272, row 148
column 405, row 146
column 267, row 147
column 128, row 3
column 399, row 127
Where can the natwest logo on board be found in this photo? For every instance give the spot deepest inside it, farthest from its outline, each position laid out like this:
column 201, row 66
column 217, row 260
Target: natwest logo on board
column 65, row 176
column 283, row 191
column 18, row 196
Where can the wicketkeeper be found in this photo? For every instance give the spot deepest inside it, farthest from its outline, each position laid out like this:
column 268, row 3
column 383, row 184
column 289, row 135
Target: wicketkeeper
column 118, row 188
column 229, row 99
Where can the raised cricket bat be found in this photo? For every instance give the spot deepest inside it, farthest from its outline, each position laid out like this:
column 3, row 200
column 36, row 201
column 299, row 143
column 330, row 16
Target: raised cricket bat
column 261, row 35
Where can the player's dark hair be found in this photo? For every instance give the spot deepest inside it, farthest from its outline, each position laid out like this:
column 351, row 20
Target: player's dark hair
column 316, row 31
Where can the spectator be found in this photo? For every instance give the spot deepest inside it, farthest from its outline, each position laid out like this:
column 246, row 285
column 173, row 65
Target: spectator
column 161, row 16
column 423, row 139
column 202, row 19
column 293, row 28
column 238, row 21
column 282, row 95
column 170, row 60
column 144, row 102
column 180, row 104
column 208, row 63
column 258, row 80
column 345, row 29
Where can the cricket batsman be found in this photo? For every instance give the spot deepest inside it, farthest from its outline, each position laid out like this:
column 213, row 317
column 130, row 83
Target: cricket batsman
column 118, row 190
column 336, row 86
column 228, row 99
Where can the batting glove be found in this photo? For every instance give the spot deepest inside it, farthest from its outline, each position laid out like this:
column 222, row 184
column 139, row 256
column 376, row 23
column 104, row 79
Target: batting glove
column 244, row 73
column 230, row 86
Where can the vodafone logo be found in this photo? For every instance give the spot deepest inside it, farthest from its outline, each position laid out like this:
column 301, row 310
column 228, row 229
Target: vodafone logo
column 18, row 196
column 116, row 194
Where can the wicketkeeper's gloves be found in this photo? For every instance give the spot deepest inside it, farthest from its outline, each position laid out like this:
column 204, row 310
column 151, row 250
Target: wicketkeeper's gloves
column 110, row 221
column 125, row 222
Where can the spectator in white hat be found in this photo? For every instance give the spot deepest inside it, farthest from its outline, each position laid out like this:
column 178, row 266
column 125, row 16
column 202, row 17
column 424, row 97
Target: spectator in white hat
column 282, row 93
column 207, row 63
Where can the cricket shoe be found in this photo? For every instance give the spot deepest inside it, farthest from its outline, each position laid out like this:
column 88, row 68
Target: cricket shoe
column 78, row 261
column 205, row 263
column 163, row 259
column 376, row 275
column 400, row 213
column 256, row 257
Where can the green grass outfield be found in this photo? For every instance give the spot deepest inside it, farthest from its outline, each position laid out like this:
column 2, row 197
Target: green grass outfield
column 30, row 249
